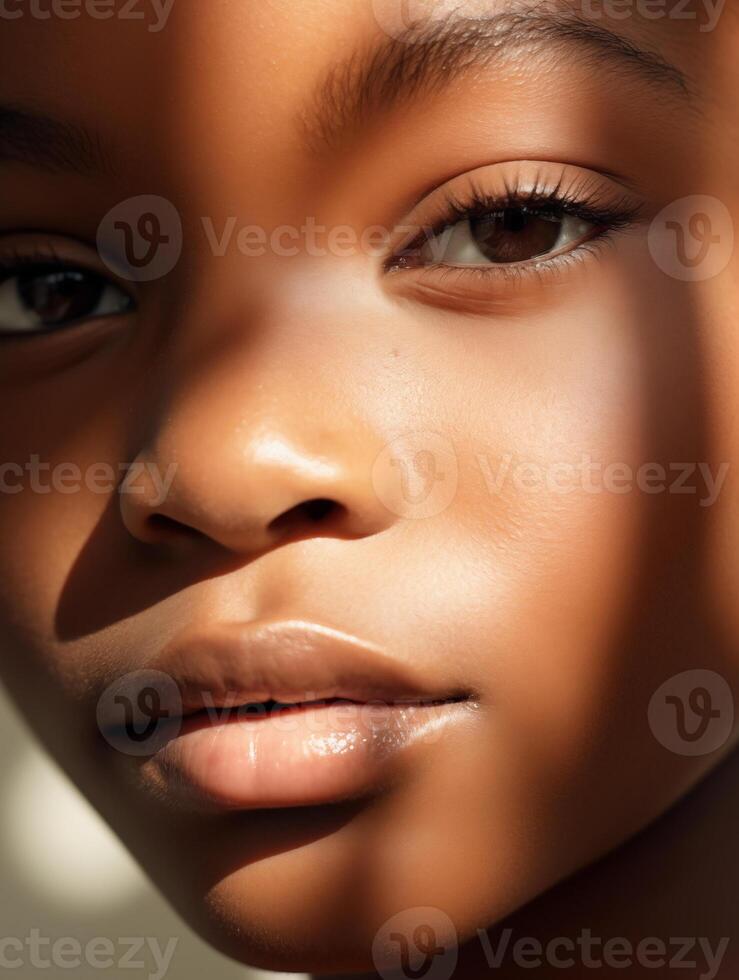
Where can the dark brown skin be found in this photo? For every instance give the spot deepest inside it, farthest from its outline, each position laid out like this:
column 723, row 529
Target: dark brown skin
column 564, row 613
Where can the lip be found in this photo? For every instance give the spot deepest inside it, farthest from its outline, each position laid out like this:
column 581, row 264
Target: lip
column 347, row 712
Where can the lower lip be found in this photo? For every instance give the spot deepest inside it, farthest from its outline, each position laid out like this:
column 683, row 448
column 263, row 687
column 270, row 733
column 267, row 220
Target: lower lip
column 308, row 755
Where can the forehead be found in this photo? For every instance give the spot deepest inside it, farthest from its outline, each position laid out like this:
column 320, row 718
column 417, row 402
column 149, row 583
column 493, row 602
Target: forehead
column 153, row 75
column 154, row 48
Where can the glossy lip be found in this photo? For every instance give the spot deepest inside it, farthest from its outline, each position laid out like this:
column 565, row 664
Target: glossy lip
column 369, row 707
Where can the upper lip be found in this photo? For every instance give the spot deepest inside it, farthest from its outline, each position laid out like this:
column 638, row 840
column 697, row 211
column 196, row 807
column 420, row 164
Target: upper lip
column 292, row 661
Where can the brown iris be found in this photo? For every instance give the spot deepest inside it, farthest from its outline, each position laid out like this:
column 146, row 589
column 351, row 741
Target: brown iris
column 516, row 234
column 59, row 295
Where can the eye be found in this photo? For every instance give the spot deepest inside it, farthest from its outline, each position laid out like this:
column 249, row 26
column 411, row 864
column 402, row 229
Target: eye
column 37, row 297
column 500, row 232
column 505, row 236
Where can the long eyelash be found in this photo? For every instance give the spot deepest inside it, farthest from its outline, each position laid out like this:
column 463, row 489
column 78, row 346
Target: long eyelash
column 613, row 214
column 12, row 260
column 579, row 200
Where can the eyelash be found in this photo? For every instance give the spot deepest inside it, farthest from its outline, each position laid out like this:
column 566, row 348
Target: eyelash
column 13, row 261
column 607, row 215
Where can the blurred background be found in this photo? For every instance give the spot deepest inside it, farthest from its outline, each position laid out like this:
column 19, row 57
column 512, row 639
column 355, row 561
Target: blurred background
column 64, row 874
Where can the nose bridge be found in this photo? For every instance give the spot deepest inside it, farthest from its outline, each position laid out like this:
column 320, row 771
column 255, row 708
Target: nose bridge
column 277, row 363
column 267, row 369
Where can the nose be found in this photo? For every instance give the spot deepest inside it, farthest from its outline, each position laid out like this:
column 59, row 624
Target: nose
column 250, row 472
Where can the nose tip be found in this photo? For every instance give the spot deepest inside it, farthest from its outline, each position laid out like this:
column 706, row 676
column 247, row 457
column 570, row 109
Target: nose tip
column 252, row 502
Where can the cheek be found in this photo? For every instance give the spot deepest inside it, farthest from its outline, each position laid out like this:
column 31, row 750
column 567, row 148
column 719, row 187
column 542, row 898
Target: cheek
column 61, row 462
column 571, row 422
column 586, row 574
column 557, row 522
column 549, row 457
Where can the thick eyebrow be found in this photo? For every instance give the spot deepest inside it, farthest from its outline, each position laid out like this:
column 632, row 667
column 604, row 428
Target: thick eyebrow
column 54, row 145
column 425, row 60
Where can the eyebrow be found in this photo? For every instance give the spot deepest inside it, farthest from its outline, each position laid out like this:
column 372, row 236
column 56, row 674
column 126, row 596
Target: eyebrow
column 425, row 60
column 54, row 145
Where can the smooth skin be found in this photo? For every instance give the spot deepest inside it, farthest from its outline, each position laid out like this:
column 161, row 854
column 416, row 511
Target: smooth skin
column 275, row 380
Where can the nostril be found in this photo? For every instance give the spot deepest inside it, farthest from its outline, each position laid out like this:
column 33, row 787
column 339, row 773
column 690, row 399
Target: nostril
column 320, row 510
column 160, row 528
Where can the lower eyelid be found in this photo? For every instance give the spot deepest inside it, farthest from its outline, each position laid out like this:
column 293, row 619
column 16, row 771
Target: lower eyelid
column 484, row 290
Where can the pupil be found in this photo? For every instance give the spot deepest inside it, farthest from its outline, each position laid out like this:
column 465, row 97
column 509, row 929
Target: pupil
column 515, row 235
column 59, row 295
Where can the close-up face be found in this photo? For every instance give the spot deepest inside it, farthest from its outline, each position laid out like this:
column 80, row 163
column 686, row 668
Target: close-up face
column 368, row 377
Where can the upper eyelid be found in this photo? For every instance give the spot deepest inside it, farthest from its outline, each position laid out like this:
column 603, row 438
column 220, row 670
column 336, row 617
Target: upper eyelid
column 41, row 254
column 67, row 249
column 517, row 174
column 38, row 248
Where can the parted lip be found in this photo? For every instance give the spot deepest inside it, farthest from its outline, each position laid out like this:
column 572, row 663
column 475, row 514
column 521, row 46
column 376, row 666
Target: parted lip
column 290, row 662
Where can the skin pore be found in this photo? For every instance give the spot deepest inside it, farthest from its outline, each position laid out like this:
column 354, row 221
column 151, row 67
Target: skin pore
column 276, row 380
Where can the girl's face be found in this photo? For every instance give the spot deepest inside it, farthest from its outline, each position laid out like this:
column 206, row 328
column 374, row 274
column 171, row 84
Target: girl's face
column 249, row 411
